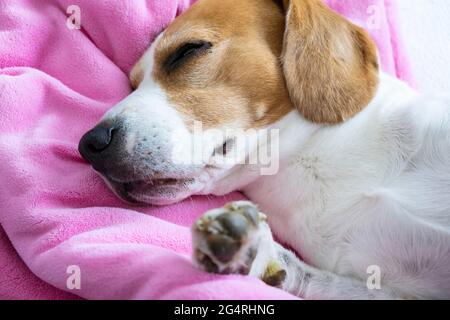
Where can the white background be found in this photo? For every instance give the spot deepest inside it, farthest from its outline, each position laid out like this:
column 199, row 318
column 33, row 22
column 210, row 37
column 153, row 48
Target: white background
column 425, row 28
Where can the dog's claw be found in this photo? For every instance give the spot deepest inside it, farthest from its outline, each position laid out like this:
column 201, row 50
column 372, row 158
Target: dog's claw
column 200, row 225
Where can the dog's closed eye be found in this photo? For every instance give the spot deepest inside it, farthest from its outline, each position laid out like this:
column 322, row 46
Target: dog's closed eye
column 184, row 53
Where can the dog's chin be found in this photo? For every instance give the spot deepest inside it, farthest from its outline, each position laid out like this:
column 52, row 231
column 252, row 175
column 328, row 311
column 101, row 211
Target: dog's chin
column 158, row 192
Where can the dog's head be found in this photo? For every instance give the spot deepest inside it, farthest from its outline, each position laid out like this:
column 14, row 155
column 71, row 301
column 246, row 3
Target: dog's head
column 228, row 64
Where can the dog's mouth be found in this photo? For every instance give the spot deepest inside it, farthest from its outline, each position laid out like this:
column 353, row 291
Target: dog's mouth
column 152, row 191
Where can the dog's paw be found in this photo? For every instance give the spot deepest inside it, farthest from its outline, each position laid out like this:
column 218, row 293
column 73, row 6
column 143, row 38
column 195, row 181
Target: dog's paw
column 226, row 240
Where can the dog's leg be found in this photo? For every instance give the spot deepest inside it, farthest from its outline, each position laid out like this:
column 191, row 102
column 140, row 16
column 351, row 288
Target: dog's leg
column 237, row 240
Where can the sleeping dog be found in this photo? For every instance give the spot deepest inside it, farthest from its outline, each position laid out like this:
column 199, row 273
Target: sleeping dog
column 364, row 162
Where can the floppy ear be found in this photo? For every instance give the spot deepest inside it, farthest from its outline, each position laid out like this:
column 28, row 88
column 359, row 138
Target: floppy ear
column 330, row 65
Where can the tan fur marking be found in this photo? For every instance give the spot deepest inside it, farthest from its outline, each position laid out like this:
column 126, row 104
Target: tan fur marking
column 330, row 64
column 328, row 67
column 241, row 72
column 137, row 75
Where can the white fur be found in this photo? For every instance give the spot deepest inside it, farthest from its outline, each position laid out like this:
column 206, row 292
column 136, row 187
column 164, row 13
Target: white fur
column 372, row 191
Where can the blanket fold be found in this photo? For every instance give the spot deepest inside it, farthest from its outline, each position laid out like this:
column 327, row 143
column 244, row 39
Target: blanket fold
column 55, row 84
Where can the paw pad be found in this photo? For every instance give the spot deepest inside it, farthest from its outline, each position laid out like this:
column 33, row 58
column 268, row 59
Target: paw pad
column 222, row 238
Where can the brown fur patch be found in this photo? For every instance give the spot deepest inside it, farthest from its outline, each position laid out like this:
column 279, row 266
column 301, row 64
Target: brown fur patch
column 137, row 75
column 241, row 72
column 328, row 63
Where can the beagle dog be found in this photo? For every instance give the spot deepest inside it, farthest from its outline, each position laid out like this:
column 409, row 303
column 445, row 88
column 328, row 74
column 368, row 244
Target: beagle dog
column 362, row 189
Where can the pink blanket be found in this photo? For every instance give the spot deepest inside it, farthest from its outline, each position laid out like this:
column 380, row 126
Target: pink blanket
column 55, row 83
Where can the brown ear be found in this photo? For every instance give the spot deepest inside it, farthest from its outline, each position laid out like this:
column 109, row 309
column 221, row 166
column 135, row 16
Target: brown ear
column 330, row 65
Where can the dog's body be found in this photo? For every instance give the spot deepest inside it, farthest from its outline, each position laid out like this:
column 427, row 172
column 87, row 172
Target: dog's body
column 372, row 192
column 364, row 179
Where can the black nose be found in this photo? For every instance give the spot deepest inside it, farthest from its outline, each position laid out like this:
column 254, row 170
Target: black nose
column 94, row 144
